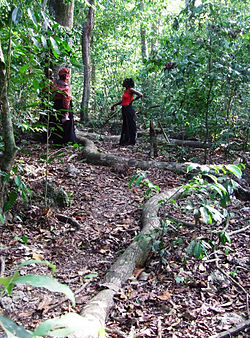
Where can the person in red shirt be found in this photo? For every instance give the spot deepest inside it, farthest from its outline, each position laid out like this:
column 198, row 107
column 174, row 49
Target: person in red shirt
column 61, row 121
column 128, row 134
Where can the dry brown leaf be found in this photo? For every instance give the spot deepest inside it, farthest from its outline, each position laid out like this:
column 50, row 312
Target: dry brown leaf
column 37, row 256
column 165, row 296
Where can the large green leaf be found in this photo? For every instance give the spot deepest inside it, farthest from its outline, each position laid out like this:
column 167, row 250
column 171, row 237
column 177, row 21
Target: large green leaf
column 16, row 15
column 32, row 16
column 54, row 46
column 12, row 329
column 60, row 326
column 234, row 169
column 46, row 282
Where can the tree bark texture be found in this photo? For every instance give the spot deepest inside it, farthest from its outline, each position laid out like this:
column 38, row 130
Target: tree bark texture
column 63, row 12
column 10, row 149
column 86, row 37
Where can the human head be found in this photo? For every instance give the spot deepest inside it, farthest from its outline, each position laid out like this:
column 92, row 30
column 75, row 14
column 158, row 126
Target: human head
column 64, row 74
column 128, row 83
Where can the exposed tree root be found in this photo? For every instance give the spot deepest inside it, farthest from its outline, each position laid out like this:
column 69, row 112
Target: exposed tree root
column 171, row 141
column 236, row 329
column 91, row 155
column 95, row 312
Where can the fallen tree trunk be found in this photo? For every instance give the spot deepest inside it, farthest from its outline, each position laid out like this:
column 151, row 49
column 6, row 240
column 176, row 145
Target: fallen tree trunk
column 91, row 155
column 94, row 314
column 171, row 141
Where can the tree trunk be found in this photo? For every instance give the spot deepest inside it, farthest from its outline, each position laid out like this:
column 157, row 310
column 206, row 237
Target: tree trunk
column 86, row 36
column 10, row 149
column 63, row 12
column 153, row 141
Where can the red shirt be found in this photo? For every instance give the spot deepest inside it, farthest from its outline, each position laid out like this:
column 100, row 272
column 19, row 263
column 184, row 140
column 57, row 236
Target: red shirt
column 127, row 97
column 64, row 95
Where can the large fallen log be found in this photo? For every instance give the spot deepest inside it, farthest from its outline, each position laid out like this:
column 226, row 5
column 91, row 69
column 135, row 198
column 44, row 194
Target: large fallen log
column 171, row 141
column 91, row 155
column 95, row 312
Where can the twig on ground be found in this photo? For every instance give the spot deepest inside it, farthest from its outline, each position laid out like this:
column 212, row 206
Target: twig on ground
column 234, row 330
column 236, row 283
column 159, row 328
column 2, row 262
column 239, row 231
column 67, row 219
column 116, row 332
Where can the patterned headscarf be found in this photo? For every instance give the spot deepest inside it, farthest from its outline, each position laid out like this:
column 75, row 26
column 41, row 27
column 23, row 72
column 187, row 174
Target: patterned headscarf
column 65, row 72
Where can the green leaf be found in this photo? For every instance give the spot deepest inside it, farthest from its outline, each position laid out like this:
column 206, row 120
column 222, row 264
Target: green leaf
column 12, row 329
column 9, row 282
column 37, row 261
column 32, row 16
column 16, row 15
column 205, row 215
column 190, row 248
column 54, row 46
column 192, row 166
column 90, row 275
column 18, row 181
column 23, row 68
column 102, row 333
column 48, row 283
column 197, row 250
column 2, row 219
column 234, row 169
column 44, row 42
column 225, row 237
column 61, row 326
column 12, row 198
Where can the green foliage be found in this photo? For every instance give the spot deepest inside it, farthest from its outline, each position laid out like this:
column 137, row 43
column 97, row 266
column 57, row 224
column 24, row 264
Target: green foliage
column 211, row 189
column 140, row 179
column 61, row 326
column 20, row 189
column 212, row 192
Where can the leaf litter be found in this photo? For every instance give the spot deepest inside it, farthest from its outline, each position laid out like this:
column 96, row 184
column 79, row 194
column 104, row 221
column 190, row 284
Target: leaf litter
column 182, row 297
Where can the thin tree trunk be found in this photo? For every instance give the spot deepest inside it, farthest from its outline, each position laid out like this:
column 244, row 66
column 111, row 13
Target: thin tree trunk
column 153, row 141
column 63, row 12
column 208, row 99
column 10, row 149
column 86, row 36
column 143, row 35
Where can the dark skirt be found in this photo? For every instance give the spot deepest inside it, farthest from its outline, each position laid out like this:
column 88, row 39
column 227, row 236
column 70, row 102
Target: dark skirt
column 128, row 134
column 61, row 133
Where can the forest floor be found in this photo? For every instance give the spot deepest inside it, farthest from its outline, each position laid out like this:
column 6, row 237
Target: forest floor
column 180, row 297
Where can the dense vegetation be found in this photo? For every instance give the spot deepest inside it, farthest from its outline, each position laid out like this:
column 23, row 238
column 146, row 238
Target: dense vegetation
column 194, row 72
